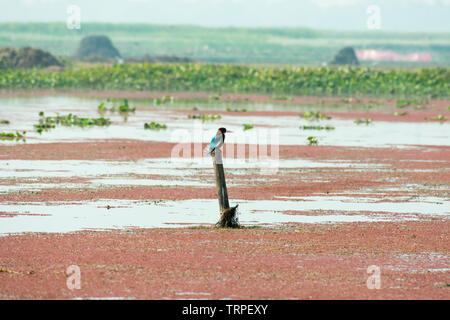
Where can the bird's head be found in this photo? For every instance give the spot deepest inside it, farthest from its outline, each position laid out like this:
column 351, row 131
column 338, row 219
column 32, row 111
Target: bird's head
column 224, row 130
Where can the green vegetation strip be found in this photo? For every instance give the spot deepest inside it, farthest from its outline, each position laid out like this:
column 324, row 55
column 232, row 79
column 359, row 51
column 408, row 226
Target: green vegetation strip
column 301, row 80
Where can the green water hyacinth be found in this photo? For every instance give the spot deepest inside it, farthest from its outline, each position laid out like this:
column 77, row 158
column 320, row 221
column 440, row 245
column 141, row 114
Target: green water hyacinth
column 163, row 100
column 10, row 136
column 365, row 121
column 238, row 110
column 280, row 80
column 125, row 107
column 317, row 127
column 205, row 117
column 438, row 118
column 154, row 126
column 312, row 141
column 47, row 123
column 311, row 115
column 402, row 103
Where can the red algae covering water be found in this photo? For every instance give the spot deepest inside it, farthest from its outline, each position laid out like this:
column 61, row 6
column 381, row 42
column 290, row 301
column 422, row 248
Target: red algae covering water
column 293, row 262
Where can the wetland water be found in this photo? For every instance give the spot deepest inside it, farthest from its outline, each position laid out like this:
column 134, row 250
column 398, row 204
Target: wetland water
column 23, row 114
column 53, row 216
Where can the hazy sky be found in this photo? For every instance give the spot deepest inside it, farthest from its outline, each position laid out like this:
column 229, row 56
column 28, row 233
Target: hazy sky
column 402, row 15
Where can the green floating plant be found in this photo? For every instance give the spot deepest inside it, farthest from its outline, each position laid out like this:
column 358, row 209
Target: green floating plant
column 162, row 100
column 70, row 120
column 154, row 126
column 282, row 98
column 438, row 118
column 123, row 108
column 365, row 121
column 12, row 136
column 314, row 116
column 238, row 110
column 215, row 97
column 205, row 117
column 317, row 127
column 312, row 141
column 402, row 103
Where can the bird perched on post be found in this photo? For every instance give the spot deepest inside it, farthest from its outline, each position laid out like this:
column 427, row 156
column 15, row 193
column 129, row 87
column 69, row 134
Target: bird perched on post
column 218, row 140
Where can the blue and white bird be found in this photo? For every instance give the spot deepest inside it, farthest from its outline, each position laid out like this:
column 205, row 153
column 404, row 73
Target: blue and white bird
column 218, row 140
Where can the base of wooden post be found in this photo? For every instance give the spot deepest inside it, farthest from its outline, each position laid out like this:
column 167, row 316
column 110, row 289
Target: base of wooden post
column 228, row 218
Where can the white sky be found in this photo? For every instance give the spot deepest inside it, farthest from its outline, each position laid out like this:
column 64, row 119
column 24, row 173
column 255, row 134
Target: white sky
column 402, row 15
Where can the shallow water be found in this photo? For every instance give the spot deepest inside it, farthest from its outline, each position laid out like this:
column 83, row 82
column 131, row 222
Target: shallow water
column 157, row 166
column 424, row 206
column 197, row 172
column 23, row 113
column 94, row 215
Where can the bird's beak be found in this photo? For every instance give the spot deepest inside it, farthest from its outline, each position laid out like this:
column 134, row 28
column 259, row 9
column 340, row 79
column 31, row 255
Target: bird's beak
column 228, row 131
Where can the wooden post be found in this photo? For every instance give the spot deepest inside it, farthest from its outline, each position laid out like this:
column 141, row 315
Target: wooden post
column 221, row 185
column 228, row 216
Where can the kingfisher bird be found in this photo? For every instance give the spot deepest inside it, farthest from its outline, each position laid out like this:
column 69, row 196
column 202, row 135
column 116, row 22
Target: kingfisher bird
column 218, row 140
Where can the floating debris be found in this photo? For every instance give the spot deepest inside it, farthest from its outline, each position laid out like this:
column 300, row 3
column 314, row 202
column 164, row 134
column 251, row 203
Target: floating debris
column 8, row 271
